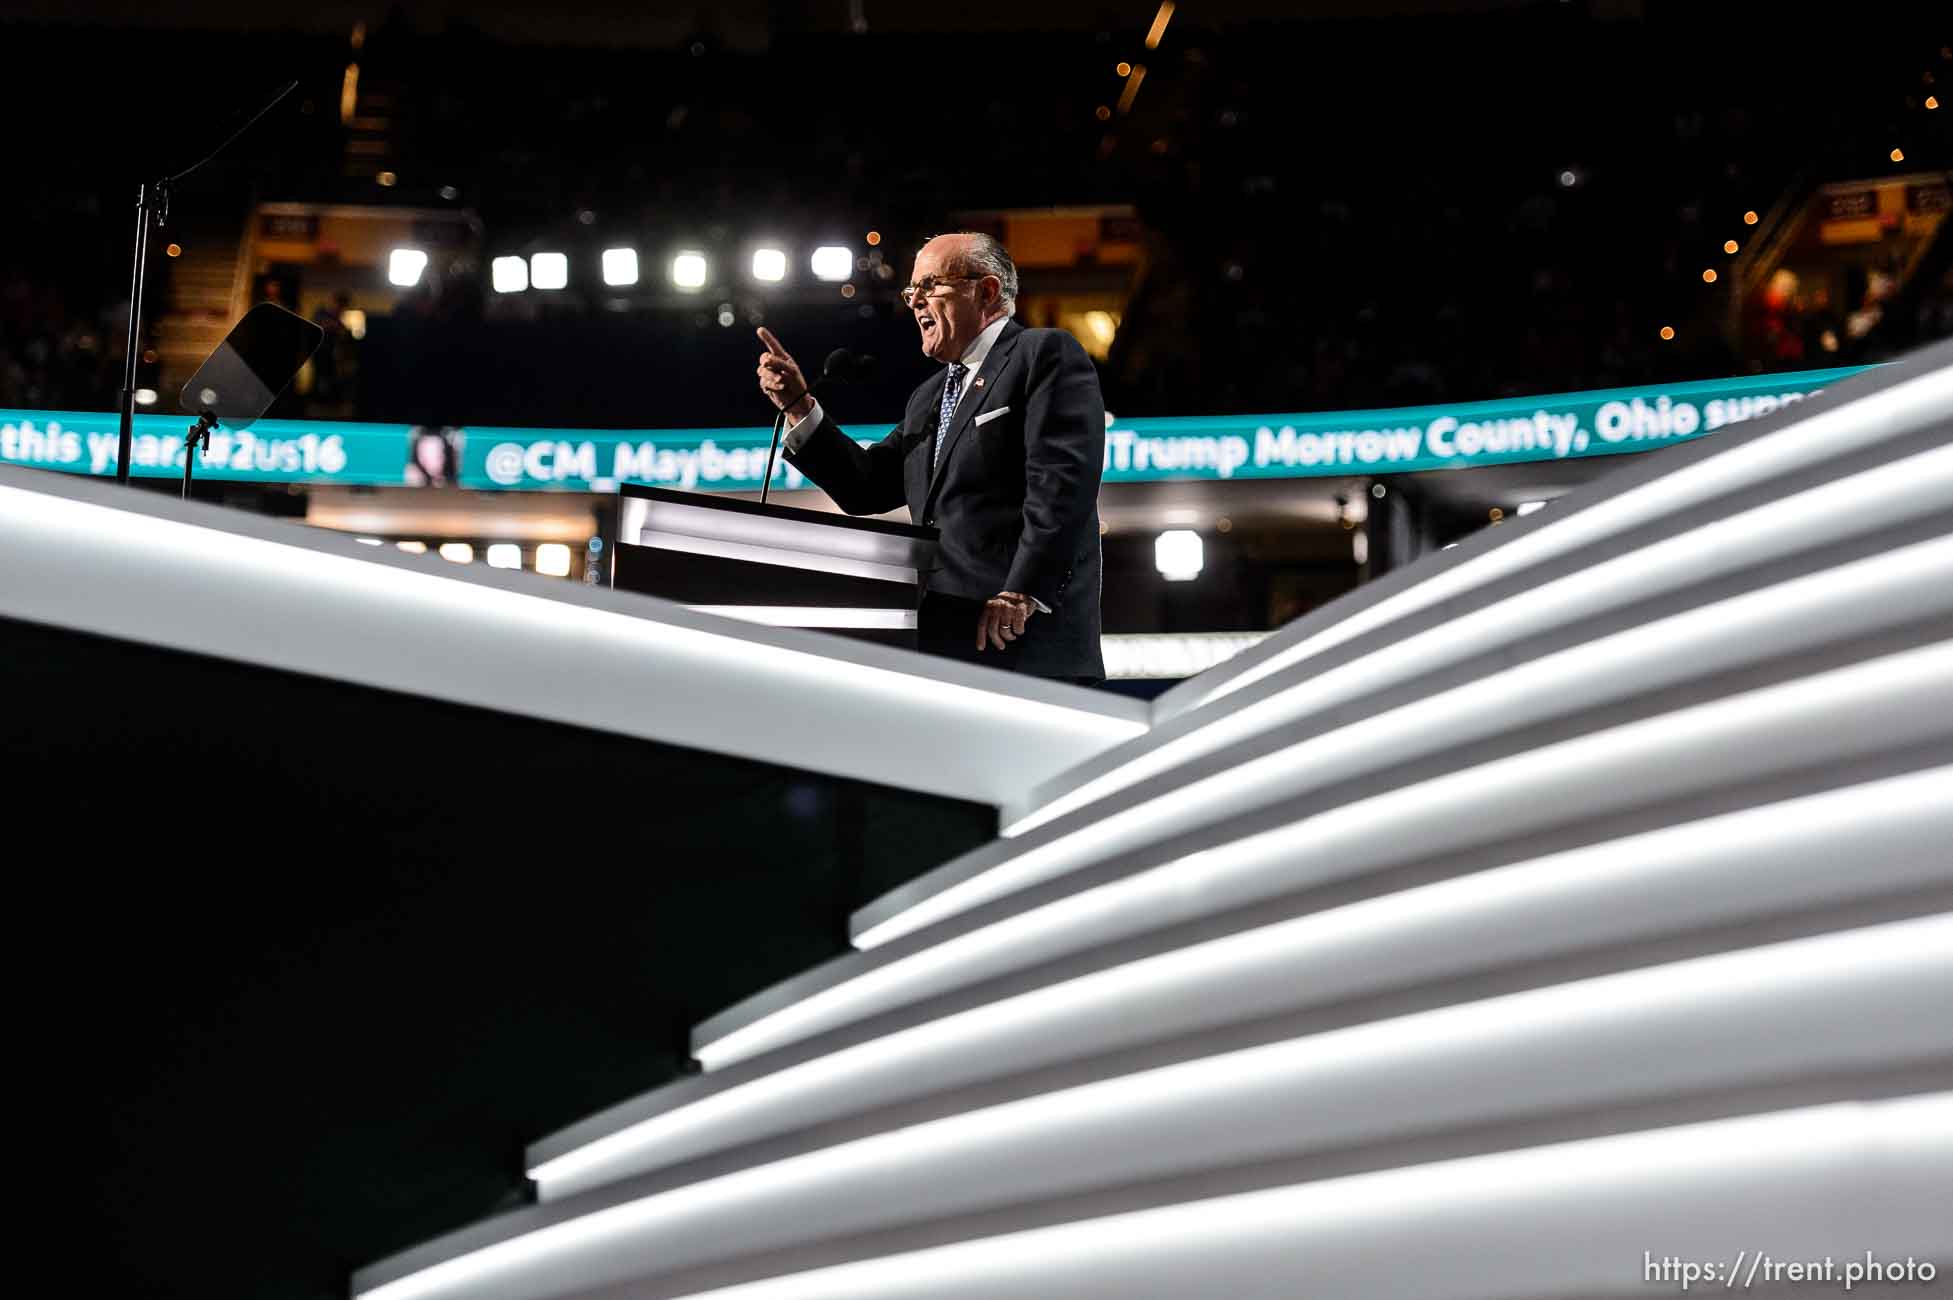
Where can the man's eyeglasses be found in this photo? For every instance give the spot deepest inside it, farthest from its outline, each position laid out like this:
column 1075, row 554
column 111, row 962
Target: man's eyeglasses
column 926, row 287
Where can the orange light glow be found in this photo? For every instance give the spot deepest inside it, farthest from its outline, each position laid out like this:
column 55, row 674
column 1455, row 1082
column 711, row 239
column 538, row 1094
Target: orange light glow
column 1160, row 20
column 1124, row 69
column 1898, row 155
column 1709, row 276
column 1749, row 218
column 874, row 238
column 1729, row 246
column 174, row 250
column 1667, row 332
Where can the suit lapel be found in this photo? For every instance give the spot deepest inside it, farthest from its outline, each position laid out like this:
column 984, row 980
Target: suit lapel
column 972, row 399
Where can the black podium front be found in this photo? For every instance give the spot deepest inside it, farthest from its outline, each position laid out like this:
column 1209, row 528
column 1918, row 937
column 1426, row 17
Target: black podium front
column 773, row 564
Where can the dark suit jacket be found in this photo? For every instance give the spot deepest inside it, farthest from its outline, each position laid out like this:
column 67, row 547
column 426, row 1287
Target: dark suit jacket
column 1015, row 498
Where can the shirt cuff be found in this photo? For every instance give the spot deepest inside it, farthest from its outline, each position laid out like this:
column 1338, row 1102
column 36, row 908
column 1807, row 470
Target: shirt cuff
column 800, row 430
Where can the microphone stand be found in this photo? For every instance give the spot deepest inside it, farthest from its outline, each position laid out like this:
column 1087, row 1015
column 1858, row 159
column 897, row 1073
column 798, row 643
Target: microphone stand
column 197, row 438
column 779, row 424
column 153, row 208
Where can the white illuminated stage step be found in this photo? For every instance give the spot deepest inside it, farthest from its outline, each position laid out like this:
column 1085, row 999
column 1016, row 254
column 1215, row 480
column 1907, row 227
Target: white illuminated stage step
column 151, row 569
column 1570, row 897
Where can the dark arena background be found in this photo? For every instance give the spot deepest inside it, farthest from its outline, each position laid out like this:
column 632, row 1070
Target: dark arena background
column 373, row 929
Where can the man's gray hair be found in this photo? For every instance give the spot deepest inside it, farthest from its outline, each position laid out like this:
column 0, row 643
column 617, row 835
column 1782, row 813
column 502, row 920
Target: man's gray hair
column 988, row 256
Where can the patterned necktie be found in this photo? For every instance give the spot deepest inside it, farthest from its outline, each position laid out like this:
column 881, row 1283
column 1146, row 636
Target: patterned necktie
column 951, row 391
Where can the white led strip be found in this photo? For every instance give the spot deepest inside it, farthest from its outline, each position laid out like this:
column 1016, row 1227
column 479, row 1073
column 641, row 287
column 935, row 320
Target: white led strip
column 1619, row 658
column 1517, row 792
column 1771, row 858
column 1919, row 485
column 812, row 615
column 1805, row 1004
column 247, row 596
column 1825, row 435
column 1569, row 1218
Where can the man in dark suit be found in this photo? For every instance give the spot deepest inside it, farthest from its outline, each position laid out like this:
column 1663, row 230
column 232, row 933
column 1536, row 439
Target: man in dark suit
column 1000, row 451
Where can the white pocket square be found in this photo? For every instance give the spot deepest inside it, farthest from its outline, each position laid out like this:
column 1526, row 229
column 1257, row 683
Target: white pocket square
column 988, row 416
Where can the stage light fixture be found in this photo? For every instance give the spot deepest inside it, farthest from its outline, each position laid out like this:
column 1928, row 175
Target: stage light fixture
column 553, row 559
column 145, row 397
column 549, row 270
column 832, row 262
column 689, row 270
column 620, row 266
column 505, row 555
column 510, row 274
column 404, row 267
column 770, row 264
column 1177, row 553
column 1750, row 218
column 458, row 552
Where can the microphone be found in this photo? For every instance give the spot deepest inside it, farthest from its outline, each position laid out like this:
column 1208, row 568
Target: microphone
column 841, row 367
column 845, row 367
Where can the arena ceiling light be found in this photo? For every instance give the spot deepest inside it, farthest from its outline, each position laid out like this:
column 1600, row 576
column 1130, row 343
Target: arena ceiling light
column 833, row 262
column 1178, row 554
column 553, row 559
column 504, row 555
column 404, row 267
column 770, row 264
column 509, row 274
column 549, row 271
column 689, row 269
column 620, row 267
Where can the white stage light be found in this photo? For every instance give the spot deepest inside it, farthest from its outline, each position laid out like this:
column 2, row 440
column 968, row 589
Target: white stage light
column 413, row 548
column 833, row 262
column 145, row 397
column 511, row 274
column 553, row 559
column 1178, row 553
column 688, row 270
column 505, row 555
column 620, row 267
column 458, row 552
column 769, row 264
column 404, row 266
column 549, row 271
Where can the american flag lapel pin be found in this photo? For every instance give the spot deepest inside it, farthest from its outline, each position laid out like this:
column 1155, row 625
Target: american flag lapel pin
column 979, row 381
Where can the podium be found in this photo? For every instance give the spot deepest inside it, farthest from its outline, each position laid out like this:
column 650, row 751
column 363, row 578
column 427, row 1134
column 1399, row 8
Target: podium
column 773, row 564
